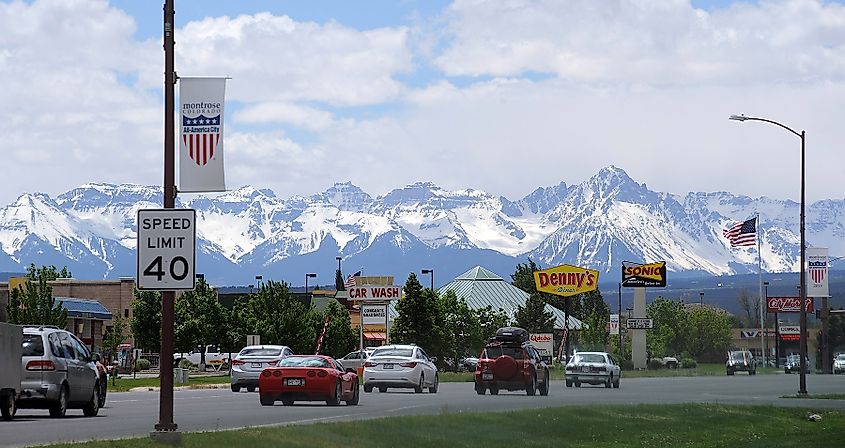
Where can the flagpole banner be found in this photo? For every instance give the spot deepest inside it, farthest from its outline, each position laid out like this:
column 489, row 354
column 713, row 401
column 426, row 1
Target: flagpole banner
column 817, row 284
column 201, row 103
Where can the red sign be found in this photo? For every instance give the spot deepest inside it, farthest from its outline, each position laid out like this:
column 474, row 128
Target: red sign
column 787, row 304
column 790, row 337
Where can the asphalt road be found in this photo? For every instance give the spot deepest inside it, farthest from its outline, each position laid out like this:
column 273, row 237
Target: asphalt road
column 131, row 414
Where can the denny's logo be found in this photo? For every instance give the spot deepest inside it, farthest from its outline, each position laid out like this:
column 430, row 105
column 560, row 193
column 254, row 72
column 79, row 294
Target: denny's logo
column 566, row 280
column 644, row 275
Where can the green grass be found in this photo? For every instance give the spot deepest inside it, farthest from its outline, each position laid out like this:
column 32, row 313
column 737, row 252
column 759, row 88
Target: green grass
column 818, row 396
column 682, row 425
column 125, row 383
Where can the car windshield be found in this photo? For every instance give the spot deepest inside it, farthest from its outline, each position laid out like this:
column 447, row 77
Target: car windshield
column 740, row 356
column 840, row 357
column 303, row 361
column 494, row 352
column 589, row 357
column 260, row 352
column 399, row 352
column 32, row 345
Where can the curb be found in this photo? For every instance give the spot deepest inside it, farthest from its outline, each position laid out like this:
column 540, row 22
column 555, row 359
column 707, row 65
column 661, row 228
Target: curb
column 195, row 386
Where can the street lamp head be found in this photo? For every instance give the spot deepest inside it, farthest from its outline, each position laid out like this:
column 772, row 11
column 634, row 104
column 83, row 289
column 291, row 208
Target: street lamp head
column 311, row 275
column 738, row 117
column 427, row 271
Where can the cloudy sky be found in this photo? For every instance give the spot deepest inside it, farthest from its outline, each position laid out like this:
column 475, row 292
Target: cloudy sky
column 498, row 95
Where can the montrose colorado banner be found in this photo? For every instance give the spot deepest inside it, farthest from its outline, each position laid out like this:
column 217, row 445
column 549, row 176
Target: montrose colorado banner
column 201, row 102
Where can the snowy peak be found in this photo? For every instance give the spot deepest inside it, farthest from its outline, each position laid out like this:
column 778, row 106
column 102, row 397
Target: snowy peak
column 346, row 197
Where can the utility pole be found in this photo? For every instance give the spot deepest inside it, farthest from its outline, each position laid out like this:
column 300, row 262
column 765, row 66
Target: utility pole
column 166, row 429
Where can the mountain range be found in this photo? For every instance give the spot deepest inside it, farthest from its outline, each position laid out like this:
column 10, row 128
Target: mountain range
column 247, row 232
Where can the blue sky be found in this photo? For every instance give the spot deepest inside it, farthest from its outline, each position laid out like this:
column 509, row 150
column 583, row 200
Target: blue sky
column 500, row 95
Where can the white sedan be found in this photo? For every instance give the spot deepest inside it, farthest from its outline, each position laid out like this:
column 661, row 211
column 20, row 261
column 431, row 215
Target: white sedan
column 400, row 366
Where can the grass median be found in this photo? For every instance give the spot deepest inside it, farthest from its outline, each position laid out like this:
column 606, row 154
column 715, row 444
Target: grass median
column 699, row 425
column 126, row 383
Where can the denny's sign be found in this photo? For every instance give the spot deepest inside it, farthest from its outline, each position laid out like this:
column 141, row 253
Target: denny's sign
column 566, row 280
column 644, row 275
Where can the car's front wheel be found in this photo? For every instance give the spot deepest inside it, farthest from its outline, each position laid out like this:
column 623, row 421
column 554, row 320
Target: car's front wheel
column 419, row 387
column 433, row 388
column 544, row 387
column 531, row 387
column 609, row 382
column 355, row 394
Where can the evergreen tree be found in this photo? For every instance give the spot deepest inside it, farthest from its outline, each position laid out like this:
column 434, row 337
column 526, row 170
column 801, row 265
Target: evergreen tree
column 340, row 338
column 34, row 304
column 339, row 284
column 533, row 316
column 595, row 313
column 146, row 320
column 279, row 318
column 419, row 320
column 490, row 321
column 671, row 327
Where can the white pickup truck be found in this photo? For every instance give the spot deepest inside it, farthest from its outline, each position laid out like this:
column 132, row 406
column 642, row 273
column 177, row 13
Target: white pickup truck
column 213, row 357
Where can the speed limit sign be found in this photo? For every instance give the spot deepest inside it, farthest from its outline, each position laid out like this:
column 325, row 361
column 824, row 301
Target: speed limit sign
column 166, row 249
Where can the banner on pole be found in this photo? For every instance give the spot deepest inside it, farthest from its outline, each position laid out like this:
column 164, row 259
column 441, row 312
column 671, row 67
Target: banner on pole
column 817, row 284
column 201, row 102
column 614, row 324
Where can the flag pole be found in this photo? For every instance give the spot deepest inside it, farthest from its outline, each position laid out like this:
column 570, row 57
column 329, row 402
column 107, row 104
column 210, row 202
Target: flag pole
column 760, row 284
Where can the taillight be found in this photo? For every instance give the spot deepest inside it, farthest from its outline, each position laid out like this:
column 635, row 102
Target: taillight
column 237, row 362
column 266, row 373
column 40, row 365
column 322, row 374
column 370, row 364
column 408, row 364
column 277, row 373
column 311, row 373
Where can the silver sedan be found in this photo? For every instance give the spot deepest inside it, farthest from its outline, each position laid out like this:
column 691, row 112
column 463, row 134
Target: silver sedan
column 247, row 366
column 593, row 368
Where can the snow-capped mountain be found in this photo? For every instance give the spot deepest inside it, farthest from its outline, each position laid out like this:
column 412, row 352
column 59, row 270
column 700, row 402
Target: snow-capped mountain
column 598, row 224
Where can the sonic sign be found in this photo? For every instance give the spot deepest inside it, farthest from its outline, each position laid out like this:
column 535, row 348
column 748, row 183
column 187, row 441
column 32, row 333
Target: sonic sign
column 566, row 280
column 652, row 275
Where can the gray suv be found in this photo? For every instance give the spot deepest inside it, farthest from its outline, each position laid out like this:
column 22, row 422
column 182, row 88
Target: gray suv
column 58, row 373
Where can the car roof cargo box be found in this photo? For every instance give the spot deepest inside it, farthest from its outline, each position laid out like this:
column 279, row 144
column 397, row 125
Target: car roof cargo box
column 512, row 334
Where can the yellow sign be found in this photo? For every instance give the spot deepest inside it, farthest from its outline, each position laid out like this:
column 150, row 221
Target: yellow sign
column 566, row 280
column 18, row 282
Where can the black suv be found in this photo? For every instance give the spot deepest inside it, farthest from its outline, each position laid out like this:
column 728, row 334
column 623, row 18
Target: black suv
column 510, row 362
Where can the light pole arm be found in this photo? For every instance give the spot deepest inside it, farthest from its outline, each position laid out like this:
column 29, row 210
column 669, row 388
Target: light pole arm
column 744, row 118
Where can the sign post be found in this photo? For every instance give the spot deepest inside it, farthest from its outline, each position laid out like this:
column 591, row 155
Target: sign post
column 566, row 280
column 641, row 276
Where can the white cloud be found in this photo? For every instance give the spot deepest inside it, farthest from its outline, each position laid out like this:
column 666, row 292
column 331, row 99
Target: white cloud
column 278, row 59
column 660, row 42
column 305, row 117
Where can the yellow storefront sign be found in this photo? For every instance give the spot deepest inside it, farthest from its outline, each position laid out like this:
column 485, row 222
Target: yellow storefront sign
column 566, row 280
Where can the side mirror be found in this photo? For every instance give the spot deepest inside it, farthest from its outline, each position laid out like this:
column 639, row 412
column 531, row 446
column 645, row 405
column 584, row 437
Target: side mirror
column 433, row 359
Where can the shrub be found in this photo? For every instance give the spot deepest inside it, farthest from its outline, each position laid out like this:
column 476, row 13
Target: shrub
column 688, row 363
column 185, row 364
column 142, row 364
column 626, row 364
column 654, row 364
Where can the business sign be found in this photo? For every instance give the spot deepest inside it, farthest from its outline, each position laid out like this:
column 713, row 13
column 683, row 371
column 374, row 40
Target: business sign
column 566, row 280
column 543, row 343
column 201, row 146
column 790, row 332
column 639, row 323
column 817, row 284
column 754, row 334
column 651, row 275
column 613, row 324
column 374, row 314
column 787, row 304
column 375, row 293
column 166, row 249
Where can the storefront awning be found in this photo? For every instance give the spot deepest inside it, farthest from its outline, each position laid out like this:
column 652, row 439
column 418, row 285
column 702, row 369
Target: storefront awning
column 85, row 309
column 374, row 336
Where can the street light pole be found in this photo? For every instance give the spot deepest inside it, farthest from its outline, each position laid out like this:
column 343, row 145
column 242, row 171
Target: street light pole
column 307, row 276
column 258, row 279
column 802, row 386
column 430, row 271
column 765, row 320
column 338, row 258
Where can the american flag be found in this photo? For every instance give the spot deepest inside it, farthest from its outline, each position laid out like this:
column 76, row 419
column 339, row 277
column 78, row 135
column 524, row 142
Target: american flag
column 742, row 233
column 351, row 280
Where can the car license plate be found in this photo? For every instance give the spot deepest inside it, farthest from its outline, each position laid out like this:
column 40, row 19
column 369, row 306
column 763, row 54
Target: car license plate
column 388, row 366
column 256, row 365
column 294, row 381
column 486, row 376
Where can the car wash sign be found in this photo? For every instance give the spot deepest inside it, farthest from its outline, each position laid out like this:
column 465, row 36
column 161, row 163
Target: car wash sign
column 375, row 293
column 652, row 275
column 566, row 280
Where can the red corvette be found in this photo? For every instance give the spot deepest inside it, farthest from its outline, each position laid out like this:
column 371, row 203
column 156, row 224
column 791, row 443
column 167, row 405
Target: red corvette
column 308, row 378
